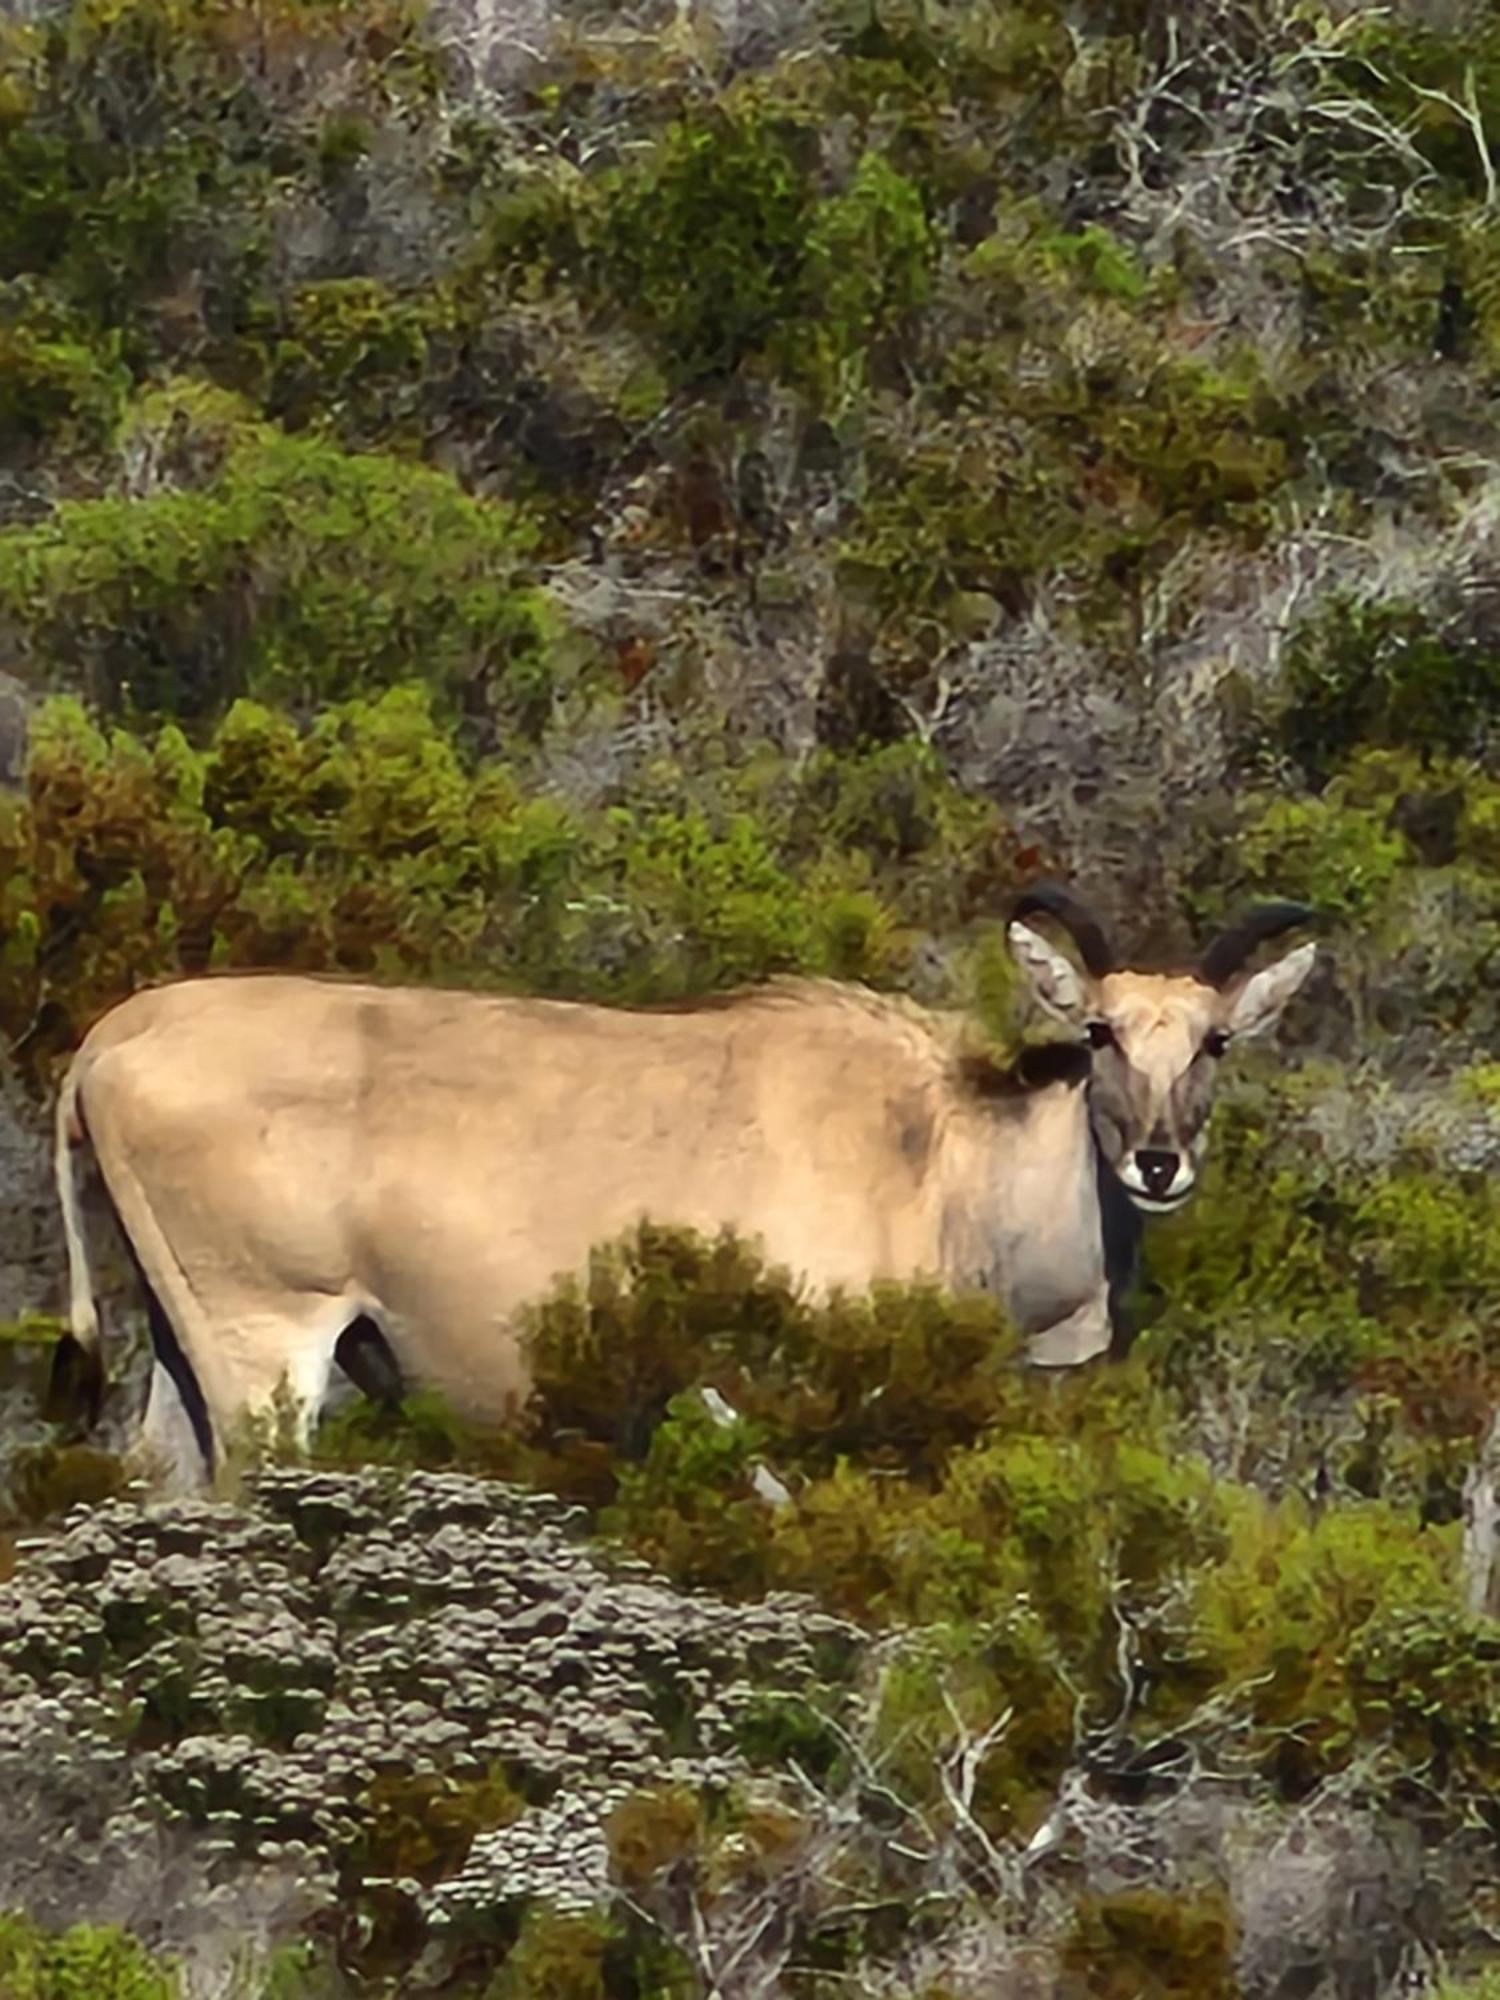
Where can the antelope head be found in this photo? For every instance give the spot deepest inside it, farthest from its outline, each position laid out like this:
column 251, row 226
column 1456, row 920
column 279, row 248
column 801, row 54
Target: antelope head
column 1155, row 1039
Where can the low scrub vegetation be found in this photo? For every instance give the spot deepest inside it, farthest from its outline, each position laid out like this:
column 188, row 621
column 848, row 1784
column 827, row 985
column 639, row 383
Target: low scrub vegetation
column 85, row 1962
column 370, row 842
column 931, row 1482
column 668, row 505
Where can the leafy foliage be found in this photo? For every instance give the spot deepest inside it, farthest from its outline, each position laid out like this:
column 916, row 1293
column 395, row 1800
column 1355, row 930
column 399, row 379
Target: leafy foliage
column 459, row 511
column 292, row 572
column 86, row 1962
column 368, row 843
column 350, row 355
column 706, row 239
column 1146, row 1941
column 1380, row 674
column 59, row 391
column 147, row 147
column 1090, row 476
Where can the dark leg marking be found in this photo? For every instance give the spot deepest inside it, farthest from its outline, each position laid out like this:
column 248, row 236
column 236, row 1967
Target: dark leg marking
column 1120, row 1222
column 75, row 1386
column 169, row 1352
column 367, row 1358
column 78, row 1373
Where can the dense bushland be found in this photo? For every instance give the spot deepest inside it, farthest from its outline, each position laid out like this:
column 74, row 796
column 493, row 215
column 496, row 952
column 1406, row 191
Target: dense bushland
column 719, row 492
column 370, row 842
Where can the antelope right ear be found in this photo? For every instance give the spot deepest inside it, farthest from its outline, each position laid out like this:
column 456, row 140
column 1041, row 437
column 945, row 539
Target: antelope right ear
column 1052, row 977
column 1259, row 1002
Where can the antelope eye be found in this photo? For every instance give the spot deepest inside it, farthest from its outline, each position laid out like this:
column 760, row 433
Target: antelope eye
column 1100, row 1035
column 1215, row 1042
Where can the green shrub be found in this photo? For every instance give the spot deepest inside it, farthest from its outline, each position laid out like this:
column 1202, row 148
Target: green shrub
column 868, row 268
column 1308, row 1618
column 984, row 57
column 1428, row 1678
column 303, row 1970
column 951, row 1687
column 85, row 1962
column 1090, row 474
column 657, row 1313
column 713, row 890
column 1342, row 858
column 1099, row 261
column 293, row 572
column 45, row 1480
column 1152, row 1944
column 557, row 1953
column 1256, row 1233
column 690, row 1508
column 1371, row 302
column 584, row 1955
column 1481, row 1985
column 720, row 246
column 59, row 392
column 351, row 357
column 420, row 1430
column 367, row 843
column 421, row 1825
column 1334, row 1321
column 1276, row 1227
column 1382, row 674
column 665, row 1844
column 705, row 241
column 145, row 147
column 899, row 1377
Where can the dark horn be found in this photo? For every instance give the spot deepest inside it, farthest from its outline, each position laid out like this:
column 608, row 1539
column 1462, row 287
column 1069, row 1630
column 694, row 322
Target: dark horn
column 1230, row 949
column 1051, row 899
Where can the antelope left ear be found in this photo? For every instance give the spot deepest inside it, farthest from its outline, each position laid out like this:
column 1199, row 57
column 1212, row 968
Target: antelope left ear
column 1259, row 1002
column 1054, row 979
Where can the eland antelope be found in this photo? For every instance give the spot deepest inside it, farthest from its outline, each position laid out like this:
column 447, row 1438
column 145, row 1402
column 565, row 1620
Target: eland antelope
column 311, row 1171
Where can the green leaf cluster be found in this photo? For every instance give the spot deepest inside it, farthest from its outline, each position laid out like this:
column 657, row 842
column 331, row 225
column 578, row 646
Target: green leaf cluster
column 85, row 1962
column 149, row 149
column 368, row 843
column 293, row 572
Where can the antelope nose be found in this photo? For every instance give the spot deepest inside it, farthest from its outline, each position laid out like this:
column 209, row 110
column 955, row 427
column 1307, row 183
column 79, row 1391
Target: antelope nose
column 1158, row 1170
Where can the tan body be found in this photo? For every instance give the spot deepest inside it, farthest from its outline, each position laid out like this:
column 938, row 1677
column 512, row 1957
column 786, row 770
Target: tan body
column 294, row 1159
column 288, row 1153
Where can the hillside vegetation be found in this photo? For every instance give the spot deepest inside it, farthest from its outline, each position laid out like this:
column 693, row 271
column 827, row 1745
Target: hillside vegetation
column 620, row 501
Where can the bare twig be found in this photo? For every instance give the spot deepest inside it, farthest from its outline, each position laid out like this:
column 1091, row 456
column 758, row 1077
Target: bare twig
column 1468, row 114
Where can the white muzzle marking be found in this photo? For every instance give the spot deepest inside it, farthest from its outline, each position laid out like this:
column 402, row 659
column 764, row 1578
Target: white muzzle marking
column 1158, row 1202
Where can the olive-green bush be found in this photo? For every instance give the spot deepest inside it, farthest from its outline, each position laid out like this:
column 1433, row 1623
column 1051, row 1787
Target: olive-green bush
column 147, row 150
column 293, row 572
column 1383, row 674
column 706, row 239
column 369, row 843
column 61, row 391
column 1086, row 478
column 85, row 1962
column 1148, row 1940
column 314, row 360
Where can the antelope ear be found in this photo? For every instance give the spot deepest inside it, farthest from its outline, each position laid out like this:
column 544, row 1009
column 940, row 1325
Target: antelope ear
column 1053, row 978
column 1259, row 1002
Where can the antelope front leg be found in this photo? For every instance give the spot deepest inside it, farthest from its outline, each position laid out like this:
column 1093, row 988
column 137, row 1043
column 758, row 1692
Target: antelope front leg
column 1079, row 1337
